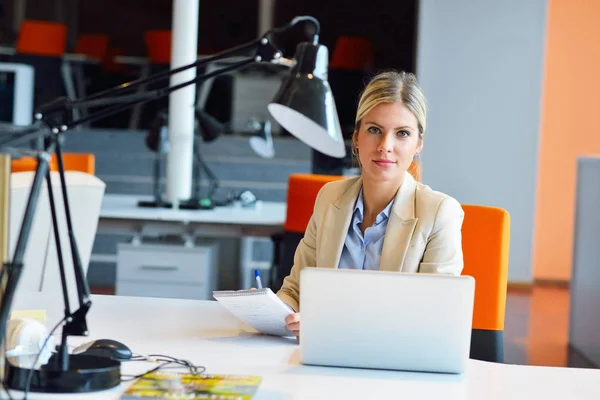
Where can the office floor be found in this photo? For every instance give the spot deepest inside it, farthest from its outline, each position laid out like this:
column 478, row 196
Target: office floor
column 536, row 327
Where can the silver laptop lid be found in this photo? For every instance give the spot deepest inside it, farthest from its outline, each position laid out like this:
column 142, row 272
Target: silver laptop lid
column 386, row 320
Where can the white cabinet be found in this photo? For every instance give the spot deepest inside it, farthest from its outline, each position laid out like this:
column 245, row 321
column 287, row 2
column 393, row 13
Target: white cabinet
column 167, row 270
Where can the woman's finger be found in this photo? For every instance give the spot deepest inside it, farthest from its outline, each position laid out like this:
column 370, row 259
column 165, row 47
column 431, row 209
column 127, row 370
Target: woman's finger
column 292, row 318
column 294, row 326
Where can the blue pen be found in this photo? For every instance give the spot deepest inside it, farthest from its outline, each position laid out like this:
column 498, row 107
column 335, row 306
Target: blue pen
column 257, row 277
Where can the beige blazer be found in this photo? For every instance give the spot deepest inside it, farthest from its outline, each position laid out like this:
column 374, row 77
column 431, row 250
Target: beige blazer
column 423, row 233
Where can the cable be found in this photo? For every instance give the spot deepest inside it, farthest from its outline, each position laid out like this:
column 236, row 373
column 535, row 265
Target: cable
column 166, row 361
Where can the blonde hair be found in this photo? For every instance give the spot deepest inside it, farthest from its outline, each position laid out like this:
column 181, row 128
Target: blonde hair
column 393, row 87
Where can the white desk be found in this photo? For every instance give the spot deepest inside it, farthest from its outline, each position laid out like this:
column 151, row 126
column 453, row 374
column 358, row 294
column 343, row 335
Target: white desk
column 206, row 334
column 120, row 214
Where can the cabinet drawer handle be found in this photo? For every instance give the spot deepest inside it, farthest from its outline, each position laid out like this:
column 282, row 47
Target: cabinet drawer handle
column 159, row 267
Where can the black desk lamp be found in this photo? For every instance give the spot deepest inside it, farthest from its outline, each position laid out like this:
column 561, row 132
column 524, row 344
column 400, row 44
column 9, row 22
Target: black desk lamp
column 305, row 92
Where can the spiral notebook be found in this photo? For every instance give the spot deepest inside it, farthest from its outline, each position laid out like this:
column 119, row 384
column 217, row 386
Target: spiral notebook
column 260, row 308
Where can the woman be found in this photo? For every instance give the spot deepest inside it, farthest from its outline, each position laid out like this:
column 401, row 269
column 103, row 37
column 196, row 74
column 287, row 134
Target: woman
column 384, row 219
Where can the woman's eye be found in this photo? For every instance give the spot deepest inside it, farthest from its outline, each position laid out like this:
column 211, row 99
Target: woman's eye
column 373, row 129
column 403, row 133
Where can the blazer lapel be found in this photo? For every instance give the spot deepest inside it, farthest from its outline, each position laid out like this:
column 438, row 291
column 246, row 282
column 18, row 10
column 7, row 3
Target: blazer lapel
column 400, row 228
column 337, row 220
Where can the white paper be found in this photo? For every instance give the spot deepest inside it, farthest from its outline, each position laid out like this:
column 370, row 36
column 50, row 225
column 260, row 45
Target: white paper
column 261, row 309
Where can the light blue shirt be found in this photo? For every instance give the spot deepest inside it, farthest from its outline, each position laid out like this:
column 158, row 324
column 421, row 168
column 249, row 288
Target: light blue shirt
column 364, row 252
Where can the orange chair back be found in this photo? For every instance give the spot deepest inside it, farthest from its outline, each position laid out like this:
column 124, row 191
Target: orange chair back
column 158, row 45
column 485, row 238
column 301, row 195
column 353, row 53
column 24, row 164
column 92, row 45
column 415, row 170
column 83, row 162
column 42, row 38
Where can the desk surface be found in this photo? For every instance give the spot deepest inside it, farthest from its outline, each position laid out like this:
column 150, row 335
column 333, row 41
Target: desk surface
column 206, row 334
column 264, row 213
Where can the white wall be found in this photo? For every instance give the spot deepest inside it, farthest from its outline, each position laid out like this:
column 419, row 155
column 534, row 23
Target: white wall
column 480, row 63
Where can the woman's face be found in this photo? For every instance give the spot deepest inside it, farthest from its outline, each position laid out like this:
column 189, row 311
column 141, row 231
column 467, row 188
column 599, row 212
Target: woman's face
column 387, row 142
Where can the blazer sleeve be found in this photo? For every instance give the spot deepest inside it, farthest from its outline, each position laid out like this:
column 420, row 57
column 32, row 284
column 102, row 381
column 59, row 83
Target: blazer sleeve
column 443, row 252
column 305, row 256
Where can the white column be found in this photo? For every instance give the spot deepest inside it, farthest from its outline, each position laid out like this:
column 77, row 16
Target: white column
column 184, row 50
column 266, row 8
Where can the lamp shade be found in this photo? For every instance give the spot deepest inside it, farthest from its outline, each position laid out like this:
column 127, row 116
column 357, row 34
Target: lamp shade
column 210, row 128
column 304, row 104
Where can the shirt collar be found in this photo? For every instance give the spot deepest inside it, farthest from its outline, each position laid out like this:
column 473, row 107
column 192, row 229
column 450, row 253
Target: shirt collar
column 360, row 207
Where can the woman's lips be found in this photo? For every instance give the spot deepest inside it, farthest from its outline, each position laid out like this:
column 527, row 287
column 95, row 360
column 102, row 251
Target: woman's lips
column 384, row 163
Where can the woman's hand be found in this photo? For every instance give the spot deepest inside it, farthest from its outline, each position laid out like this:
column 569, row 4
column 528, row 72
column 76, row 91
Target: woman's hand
column 292, row 324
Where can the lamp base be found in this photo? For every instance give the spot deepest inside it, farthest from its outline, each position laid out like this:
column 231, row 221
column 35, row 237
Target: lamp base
column 86, row 373
column 155, row 204
column 197, row 204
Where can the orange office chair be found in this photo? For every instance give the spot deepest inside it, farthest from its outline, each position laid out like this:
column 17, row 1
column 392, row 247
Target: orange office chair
column 42, row 38
column 485, row 240
column 83, row 162
column 42, row 45
column 158, row 46
column 355, row 53
column 92, row 45
column 301, row 195
column 23, row 164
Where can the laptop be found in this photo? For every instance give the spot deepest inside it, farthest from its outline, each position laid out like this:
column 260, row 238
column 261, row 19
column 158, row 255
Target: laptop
column 385, row 320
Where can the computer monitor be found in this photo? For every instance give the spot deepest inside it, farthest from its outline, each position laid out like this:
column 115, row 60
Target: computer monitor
column 16, row 93
column 41, row 271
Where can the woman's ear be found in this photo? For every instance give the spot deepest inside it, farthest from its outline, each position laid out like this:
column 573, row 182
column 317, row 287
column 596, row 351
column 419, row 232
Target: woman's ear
column 419, row 147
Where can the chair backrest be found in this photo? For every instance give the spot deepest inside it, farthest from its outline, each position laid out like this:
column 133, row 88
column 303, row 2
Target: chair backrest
column 354, row 53
column 485, row 240
column 23, row 164
column 158, row 45
column 82, row 162
column 92, row 45
column 415, row 170
column 42, row 38
column 41, row 270
column 301, row 195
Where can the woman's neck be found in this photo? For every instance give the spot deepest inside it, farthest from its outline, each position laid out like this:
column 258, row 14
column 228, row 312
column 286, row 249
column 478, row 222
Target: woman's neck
column 377, row 195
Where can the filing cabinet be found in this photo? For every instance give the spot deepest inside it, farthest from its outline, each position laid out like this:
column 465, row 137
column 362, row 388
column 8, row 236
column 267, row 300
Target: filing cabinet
column 167, row 270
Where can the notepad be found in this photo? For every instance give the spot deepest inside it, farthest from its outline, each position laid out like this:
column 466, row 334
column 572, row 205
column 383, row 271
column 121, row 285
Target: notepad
column 260, row 308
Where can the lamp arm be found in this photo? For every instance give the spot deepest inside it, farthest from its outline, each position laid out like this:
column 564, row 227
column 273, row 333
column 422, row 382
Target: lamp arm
column 60, row 104
column 154, row 94
column 14, row 268
column 127, row 100
column 297, row 20
column 265, row 52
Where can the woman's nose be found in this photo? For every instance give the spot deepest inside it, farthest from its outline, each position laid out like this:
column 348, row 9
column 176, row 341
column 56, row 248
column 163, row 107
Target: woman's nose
column 385, row 144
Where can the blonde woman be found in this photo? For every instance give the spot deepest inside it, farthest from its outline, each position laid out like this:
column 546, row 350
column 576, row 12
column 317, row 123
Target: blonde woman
column 383, row 219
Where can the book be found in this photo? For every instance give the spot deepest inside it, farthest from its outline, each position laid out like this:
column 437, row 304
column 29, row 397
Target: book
column 184, row 386
column 260, row 308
